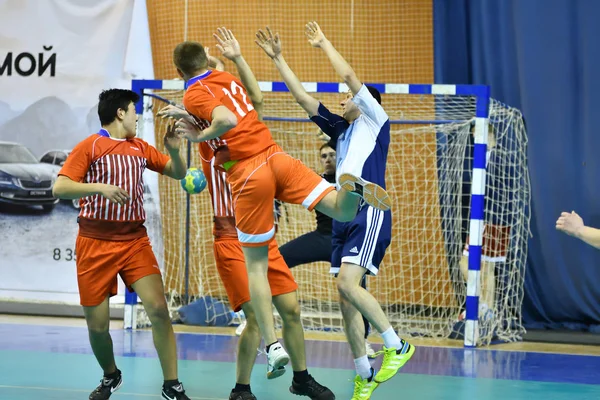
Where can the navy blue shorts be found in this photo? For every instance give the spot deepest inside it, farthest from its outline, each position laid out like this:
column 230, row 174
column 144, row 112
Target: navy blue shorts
column 363, row 241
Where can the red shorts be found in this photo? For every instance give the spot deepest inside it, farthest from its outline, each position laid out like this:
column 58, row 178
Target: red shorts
column 231, row 266
column 496, row 239
column 100, row 261
column 257, row 181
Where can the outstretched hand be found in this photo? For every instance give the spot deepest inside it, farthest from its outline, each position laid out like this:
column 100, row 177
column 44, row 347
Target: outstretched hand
column 172, row 111
column 570, row 223
column 172, row 140
column 227, row 43
column 187, row 130
column 323, row 136
column 315, row 35
column 270, row 43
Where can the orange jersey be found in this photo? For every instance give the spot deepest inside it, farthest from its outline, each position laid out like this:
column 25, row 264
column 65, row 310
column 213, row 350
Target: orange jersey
column 217, row 88
column 220, row 196
column 118, row 162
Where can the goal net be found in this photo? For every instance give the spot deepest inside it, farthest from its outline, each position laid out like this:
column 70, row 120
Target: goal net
column 422, row 283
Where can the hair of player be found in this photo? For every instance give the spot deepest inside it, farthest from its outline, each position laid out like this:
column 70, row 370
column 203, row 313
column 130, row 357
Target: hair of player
column 111, row 100
column 324, row 145
column 375, row 93
column 190, row 57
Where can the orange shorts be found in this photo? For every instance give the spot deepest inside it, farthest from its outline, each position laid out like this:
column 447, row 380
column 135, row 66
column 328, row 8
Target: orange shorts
column 257, row 181
column 231, row 266
column 100, row 261
column 496, row 240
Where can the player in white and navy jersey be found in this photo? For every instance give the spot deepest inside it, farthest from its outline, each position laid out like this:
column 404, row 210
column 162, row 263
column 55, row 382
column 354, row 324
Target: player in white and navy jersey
column 362, row 134
column 320, row 240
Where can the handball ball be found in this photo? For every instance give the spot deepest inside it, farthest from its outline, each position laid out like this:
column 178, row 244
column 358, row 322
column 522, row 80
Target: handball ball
column 194, row 181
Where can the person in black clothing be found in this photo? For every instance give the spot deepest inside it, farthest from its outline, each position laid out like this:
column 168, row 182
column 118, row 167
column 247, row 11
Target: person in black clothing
column 318, row 241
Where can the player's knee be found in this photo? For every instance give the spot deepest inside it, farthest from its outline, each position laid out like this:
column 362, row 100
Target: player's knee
column 291, row 313
column 157, row 312
column 98, row 328
column 345, row 287
column 251, row 324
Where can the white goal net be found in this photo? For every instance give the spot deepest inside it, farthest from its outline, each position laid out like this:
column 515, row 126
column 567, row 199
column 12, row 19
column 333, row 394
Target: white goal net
column 421, row 285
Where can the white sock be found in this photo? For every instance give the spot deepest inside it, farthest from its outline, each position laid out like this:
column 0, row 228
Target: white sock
column 390, row 339
column 363, row 367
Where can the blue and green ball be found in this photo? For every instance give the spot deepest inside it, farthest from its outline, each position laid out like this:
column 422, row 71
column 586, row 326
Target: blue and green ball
column 194, row 181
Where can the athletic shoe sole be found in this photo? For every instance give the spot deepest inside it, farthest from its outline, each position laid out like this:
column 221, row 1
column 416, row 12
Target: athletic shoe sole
column 373, row 194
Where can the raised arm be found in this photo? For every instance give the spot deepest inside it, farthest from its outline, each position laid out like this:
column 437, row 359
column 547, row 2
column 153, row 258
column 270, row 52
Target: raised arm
column 317, row 39
column 176, row 167
column 572, row 224
column 230, row 48
column 271, row 44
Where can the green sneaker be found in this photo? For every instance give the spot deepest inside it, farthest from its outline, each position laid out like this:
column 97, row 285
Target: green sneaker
column 393, row 360
column 363, row 388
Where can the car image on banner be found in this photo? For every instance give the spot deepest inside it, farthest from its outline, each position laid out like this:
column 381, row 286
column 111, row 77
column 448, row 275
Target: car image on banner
column 24, row 181
column 56, row 159
column 47, row 107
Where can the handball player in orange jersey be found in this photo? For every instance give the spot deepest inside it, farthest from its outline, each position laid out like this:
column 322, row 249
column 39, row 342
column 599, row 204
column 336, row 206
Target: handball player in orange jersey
column 105, row 172
column 229, row 255
column 258, row 171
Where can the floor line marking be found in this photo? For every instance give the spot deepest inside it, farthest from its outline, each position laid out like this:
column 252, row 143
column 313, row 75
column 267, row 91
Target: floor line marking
column 86, row 391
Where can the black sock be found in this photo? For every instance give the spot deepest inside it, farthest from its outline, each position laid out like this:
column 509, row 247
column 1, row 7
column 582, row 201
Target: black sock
column 372, row 375
column 113, row 375
column 171, row 383
column 301, row 376
column 269, row 346
column 241, row 388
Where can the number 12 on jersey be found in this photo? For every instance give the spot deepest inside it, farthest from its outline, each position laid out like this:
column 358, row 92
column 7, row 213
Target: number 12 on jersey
column 237, row 90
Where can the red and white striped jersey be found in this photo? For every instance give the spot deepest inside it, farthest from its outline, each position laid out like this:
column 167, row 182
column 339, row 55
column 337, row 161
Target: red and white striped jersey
column 118, row 162
column 220, row 195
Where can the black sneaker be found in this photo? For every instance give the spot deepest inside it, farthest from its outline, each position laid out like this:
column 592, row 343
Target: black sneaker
column 176, row 392
column 312, row 389
column 107, row 387
column 241, row 396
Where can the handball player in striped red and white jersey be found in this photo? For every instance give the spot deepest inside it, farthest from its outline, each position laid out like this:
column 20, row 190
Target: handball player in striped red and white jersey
column 105, row 172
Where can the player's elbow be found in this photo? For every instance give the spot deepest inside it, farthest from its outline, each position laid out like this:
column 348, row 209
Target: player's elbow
column 223, row 119
column 58, row 189
column 257, row 99
column 309, row 104
column 352, row 81
column 227, row 121
column 348, row 76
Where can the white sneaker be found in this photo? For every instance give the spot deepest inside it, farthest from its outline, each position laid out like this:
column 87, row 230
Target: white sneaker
column 370, row 350
column 373, row 194
column 371, row 353
column 277, row 359
column 240, row 328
